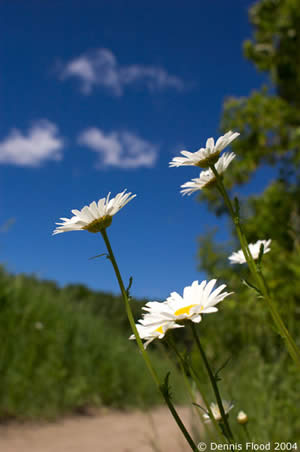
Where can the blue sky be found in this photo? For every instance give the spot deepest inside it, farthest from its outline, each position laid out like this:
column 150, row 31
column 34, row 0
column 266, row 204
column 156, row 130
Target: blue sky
column 98, row 97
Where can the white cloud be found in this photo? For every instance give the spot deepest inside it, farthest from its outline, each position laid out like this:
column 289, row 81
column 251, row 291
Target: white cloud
column 119, row 149
column 41, row 143
column 102, row 68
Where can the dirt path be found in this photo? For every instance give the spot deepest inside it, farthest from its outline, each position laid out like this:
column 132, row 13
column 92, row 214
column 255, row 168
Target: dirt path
column 113, row 431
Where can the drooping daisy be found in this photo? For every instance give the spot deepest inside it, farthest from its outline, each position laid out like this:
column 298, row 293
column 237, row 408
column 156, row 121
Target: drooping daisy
column 207, row 177
column 96, row 216
column 216, row 411
column 151, row 328
column 254, row 248
column 197, row 299
column 207, row 156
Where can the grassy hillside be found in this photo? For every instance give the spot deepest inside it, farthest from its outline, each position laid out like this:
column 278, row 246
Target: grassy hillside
column 63, row 349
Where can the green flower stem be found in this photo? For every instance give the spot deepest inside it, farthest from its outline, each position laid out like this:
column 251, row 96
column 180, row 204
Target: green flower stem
column 218, row 428
column 128, row 308
column 293, row 350
column 227, row 430
column 141, row 346
column 246, row 432
column 183, row 365
column 180, row 424
column 235, row 218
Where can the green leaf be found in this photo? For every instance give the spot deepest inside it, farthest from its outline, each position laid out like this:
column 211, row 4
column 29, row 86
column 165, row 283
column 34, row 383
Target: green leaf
column 199, row 406
column 217, row 378
column 236, row 207
column 165, row 387
column 129, row 287
column 261, row 252
column 251, row 286
column 99, row 255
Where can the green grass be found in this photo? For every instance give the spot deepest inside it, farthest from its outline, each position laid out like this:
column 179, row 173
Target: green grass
column 64, row 349
column 260, row 377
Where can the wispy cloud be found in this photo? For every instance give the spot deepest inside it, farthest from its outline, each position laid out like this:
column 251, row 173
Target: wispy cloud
column 40, row 144
column 101, row 68
column 119, row 149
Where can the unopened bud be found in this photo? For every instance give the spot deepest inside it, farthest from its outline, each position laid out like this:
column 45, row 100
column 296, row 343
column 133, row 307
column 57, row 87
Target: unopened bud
column 242, row 418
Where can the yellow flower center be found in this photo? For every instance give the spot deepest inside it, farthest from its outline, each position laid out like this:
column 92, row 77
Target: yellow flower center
column 99, row 224
column 160, row 330
column 208, row 161
column 185, row 310
column 210, row 183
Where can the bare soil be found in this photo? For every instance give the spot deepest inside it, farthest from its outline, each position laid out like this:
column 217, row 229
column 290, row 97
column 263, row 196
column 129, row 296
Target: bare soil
column 111, row 431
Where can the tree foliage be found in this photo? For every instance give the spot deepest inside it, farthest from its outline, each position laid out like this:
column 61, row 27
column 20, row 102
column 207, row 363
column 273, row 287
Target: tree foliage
column 269, row 118
column 269, row 123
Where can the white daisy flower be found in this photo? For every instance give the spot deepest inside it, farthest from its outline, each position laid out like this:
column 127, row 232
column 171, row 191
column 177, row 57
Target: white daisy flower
column 207, row 177
column 197, row 299
column 96, row 216
column 151, row 328
column 216, row 411
column 254, row 248
column 207, row 156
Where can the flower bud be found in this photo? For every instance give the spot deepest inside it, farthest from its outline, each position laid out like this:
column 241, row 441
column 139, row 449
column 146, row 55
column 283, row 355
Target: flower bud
column 242, row 418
